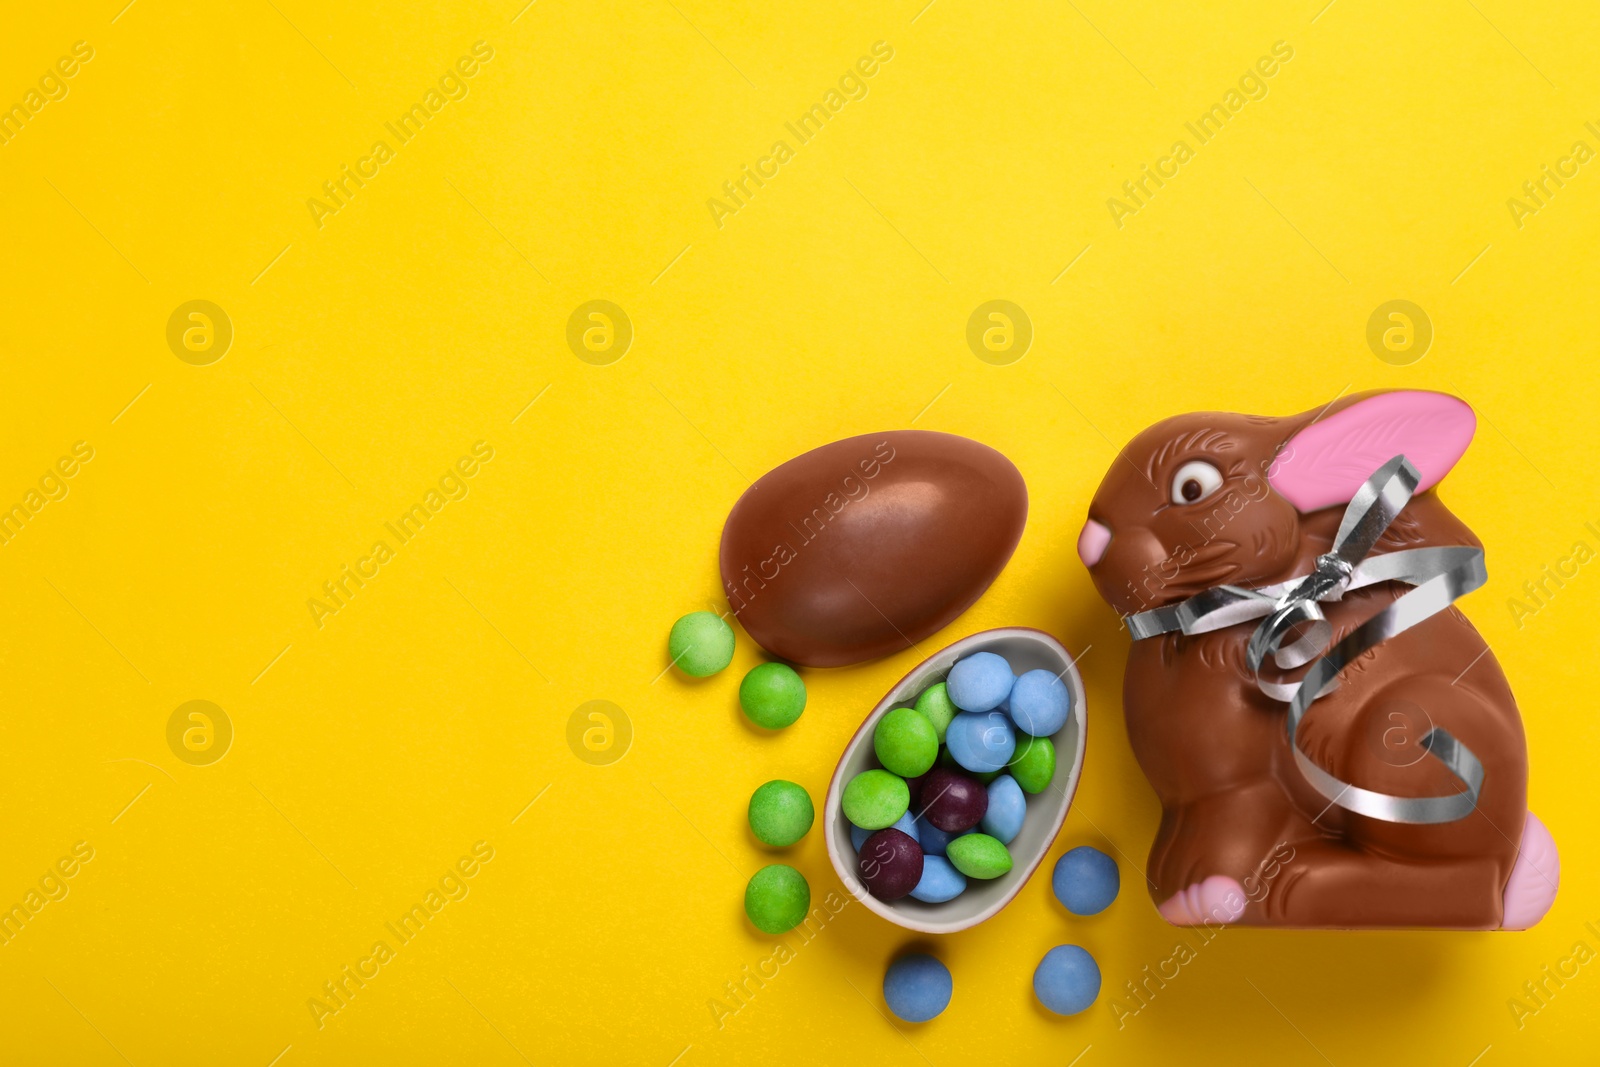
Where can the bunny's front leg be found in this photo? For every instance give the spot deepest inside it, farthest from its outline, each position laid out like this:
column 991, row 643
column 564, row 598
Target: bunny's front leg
column 1209, row 854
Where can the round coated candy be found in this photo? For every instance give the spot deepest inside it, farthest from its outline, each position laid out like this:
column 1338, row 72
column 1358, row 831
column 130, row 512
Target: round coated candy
column 1086, row 880
column 890, row 863
column 979, row 682
column 777, row 898
column 1034, row 763
column 875, row 799
column 1039, row 703
column 981, row 741
column 772, row 695
column 1007, row 807
column 905, row 742
column 935, row 704
column 940, row 881
column 917, row 988
column 780, row 813
column 951, row 801
column 905, row 824
column 700, row 644
column 932, row 839
column 1067, row 980
column 978, row 856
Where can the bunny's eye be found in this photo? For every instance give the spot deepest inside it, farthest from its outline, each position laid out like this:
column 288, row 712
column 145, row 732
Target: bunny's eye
column 1195, row 481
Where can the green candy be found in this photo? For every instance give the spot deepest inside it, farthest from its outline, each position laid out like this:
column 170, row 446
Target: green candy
column 1034, row 763
column 777, row 898
column 905, row 742
column 875, row 799
column 780, row 813
column 772, row 695
column 701, row 644
column 978, row 856
column 935, row 704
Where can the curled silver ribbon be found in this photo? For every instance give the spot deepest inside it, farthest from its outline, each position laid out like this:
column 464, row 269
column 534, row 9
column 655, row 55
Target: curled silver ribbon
column 1440, row 577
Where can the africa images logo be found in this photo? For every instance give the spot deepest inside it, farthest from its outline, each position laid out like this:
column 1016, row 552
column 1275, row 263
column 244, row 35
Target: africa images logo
column 1252, row 85
column 342, row 189
column 342, row 588
column 852, row 85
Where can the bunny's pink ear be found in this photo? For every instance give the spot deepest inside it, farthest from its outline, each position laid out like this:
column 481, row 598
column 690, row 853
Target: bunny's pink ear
column 1325, row 463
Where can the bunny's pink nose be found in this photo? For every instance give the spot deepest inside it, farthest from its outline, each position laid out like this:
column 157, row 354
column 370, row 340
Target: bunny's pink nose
column 1092, row 542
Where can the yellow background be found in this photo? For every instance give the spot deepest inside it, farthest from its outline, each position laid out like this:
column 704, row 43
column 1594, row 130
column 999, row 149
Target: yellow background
column 424, row 316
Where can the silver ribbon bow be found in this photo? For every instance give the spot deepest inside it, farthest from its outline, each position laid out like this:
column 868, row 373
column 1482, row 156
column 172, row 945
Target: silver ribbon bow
column 1440, row 576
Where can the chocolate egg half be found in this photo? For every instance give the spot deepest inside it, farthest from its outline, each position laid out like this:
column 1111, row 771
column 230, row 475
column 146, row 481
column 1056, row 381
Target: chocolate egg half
column 865, row 546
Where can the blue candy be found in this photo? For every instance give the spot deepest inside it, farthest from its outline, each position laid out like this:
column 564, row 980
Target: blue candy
column 979, row 682
column 1067, row 980
column 905, row 824
column 981, row 741
column 917, row 987
column 1007, row 806
column 1039, row 703
column 932, row 839
column 940, row 881
column 1086, row 880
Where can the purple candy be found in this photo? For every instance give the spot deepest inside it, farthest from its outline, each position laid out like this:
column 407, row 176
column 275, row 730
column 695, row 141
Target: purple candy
column 890, row 863
column 950, row 801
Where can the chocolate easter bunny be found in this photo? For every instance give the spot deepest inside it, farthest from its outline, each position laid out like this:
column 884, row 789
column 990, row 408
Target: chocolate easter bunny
column 1401, row 797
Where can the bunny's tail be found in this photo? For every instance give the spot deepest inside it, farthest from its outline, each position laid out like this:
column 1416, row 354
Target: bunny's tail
column 1531, row 889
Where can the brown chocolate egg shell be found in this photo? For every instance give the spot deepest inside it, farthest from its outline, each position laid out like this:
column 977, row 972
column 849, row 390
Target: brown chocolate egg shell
column 863, row 547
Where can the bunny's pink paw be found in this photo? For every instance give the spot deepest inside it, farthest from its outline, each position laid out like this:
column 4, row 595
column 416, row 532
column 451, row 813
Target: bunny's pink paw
column 1531, row 889
column 1218, row 899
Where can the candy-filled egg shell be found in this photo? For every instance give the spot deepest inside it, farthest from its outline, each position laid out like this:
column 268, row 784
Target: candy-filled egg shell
column 1024, row 649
